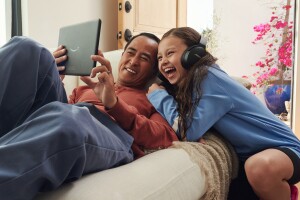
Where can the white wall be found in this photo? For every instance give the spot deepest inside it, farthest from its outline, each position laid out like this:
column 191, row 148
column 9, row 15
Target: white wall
column 42, row 19
column 237, row 53
column 200, row 17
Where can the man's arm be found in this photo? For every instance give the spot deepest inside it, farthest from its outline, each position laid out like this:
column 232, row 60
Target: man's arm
column 150, row 133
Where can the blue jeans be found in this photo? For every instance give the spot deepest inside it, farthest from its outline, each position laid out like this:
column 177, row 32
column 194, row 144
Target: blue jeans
column 44, row 141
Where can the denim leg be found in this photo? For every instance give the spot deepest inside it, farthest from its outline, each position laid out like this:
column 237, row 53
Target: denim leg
column 57, row 143
column 29, row 80
column 106, row 120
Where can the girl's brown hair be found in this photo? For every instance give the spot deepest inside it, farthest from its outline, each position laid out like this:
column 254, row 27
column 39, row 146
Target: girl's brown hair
column 188, row 92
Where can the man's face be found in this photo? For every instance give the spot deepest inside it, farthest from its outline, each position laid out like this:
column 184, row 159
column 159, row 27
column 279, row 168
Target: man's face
column 137, row 61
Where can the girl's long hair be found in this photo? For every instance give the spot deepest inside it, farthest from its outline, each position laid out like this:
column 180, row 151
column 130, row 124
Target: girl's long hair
column 188, row 92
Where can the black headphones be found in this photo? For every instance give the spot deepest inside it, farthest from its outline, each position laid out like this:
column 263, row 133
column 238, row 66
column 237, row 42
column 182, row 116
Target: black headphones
column 193, row 54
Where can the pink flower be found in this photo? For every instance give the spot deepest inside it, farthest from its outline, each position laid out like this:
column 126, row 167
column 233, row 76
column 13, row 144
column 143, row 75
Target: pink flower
column 280, row 24
column 260, row 64
column 273, row 18
column 273, row 71
column 277, row 36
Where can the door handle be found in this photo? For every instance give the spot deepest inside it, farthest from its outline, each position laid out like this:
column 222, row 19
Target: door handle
column 128, row 6
column 127, row 35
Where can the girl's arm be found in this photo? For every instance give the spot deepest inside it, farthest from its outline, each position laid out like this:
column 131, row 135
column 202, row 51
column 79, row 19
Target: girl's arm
column 166, row 106
column 214, row 104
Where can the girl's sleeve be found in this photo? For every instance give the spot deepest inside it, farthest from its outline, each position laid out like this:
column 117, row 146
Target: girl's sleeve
column 215, row 102
column 166, row 105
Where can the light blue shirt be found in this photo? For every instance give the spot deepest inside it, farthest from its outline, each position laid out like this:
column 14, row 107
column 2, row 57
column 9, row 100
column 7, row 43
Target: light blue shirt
column 237, row 114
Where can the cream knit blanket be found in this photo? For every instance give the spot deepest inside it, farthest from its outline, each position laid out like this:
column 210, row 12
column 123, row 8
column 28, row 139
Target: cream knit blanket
column 217, row 159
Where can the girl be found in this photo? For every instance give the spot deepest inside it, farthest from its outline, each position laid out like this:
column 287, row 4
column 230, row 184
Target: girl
column 202, row 96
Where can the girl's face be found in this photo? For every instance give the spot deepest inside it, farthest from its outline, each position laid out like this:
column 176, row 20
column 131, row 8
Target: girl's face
column 170, row 50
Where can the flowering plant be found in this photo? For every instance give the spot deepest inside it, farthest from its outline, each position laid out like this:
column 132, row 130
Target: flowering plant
column 276, row 35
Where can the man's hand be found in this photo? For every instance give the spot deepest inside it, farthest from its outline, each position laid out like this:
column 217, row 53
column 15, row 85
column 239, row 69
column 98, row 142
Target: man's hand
column 104, row 88
column 60, row 56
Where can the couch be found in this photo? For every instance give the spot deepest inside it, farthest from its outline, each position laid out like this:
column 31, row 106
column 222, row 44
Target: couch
column 172, row 173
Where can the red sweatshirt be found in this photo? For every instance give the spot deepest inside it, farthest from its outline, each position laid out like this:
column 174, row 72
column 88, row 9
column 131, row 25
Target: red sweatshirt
column 135, row 114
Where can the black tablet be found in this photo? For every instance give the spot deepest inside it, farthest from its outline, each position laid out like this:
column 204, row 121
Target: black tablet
column 81, row 41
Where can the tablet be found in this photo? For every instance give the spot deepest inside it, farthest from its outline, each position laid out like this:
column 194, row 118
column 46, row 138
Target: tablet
column 81, row 41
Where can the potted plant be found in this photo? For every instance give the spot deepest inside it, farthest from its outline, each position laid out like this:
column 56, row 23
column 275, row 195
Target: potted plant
column 275, row 67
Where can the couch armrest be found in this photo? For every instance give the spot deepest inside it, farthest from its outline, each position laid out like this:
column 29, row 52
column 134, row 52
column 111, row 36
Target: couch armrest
column 165, row 174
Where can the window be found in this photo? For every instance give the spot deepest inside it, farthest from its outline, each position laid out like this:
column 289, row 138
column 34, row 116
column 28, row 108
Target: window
column 2, row 23
column 5, row 21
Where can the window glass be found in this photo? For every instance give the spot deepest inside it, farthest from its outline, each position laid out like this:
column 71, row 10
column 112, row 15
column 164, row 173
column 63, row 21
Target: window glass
column 2, row 23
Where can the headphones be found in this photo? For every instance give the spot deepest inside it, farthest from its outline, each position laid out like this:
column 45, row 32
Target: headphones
column 193, row 54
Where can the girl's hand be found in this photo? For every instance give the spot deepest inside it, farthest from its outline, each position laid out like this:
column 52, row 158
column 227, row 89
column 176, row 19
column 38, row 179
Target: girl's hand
column 154, row 87
column 201, row 140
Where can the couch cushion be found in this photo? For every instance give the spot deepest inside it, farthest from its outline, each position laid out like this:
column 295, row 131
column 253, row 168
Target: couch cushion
column 165, row 174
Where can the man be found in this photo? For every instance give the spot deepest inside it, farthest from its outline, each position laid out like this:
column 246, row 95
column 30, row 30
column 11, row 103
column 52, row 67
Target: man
column 45, row 142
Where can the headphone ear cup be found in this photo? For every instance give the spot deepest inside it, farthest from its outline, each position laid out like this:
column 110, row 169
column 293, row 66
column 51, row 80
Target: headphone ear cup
column 192, row 55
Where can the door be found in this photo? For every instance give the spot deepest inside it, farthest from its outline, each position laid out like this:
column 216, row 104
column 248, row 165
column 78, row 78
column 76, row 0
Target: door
column 154, row 16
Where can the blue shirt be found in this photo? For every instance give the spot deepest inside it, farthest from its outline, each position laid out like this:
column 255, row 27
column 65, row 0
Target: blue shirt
column 237, row 114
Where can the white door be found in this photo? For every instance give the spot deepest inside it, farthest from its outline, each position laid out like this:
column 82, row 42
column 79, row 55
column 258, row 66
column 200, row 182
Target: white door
column 154, row 16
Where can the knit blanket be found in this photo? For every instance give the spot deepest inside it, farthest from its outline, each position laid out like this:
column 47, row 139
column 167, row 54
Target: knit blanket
column 217, row 159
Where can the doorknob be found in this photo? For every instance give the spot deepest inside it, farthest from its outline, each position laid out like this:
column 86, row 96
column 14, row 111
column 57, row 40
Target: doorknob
column 127, row 35
column 128, row 6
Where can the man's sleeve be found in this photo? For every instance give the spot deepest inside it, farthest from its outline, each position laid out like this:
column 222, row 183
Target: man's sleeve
column 150, row 133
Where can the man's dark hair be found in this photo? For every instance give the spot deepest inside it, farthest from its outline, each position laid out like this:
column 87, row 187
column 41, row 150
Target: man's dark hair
column 148, row 35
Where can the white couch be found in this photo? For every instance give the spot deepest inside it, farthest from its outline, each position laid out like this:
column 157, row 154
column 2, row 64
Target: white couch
column 165, row 174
